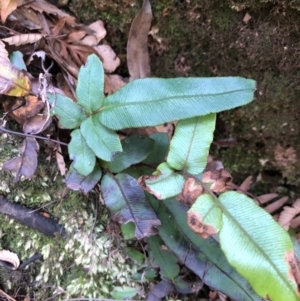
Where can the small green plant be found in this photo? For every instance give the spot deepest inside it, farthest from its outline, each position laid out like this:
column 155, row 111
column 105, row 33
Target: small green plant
column 227, row 240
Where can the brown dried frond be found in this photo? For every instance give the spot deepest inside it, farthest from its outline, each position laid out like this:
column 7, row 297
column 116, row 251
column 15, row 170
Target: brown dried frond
column 276, row 204
column 245, row 186
column 288, row 214
column 265, row 198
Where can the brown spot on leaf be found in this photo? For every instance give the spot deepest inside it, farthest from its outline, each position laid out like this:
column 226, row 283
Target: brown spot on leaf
column 142, row 183
column 194, row 221
column 294, row 271
column 190, row 192
column 219, row 180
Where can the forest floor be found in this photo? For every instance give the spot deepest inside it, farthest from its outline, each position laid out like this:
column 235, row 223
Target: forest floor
column 256, row 39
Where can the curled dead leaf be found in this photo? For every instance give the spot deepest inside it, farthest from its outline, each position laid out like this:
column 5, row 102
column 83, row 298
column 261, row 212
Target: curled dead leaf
column 191, row 190
column 97, row 36
column 219, row 180
column 21, row 110
column 10, row 257
column 194, row 220
column 22, row 39
column 37, row 124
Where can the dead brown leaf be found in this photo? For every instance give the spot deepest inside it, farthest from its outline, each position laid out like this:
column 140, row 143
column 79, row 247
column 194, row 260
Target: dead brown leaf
column 31, row 107
column 26, row 164
column 288, row 214
column 36, row 124
column 219, row 180
column 44, row 6
column 112, row 83
column 75, row 36
column 21, row 39
column 109, row 58
column 6, row 7
column 276, row 204
column 99, row 33
column 138, row 61
column 247, row 18
column 60, row 24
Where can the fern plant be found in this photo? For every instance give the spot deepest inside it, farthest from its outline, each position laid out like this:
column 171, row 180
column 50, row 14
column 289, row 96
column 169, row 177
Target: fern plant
column 233, row 245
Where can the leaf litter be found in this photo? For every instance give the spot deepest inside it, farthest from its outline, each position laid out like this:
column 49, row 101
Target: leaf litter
column 69, row 43
column 61, row 39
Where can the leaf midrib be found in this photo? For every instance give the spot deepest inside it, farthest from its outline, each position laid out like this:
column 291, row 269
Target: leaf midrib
column 174, row 97
column 214, row 263
column 273, row 265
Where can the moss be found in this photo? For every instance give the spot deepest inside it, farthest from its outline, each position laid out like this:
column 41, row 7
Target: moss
column 89, row 262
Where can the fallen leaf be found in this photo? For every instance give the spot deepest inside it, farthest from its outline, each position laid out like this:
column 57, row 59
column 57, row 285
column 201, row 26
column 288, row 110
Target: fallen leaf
column 40, row 54
column 36, row 124
column 109, row 58
column 99, row 30
column 112, row 83
column 44, row 6
column 26, row 164
column 10, row 257
column 78, row 182
column 288, row 214
column 89, row 40
column 21, row 39
column 276, row 204
column 75, row 36
column 13, row 82
column 247, row 18
column 245, row 186
column 138, row 61
column 20, row 110
column 7, row 6
column 218, row 180
column 60, row 24
column 97, row 36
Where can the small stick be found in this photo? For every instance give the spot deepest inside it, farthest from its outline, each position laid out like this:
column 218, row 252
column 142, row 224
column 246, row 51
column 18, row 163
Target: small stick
column 4, row 130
